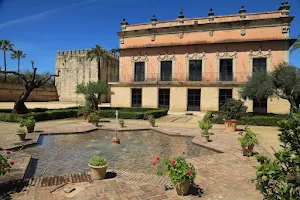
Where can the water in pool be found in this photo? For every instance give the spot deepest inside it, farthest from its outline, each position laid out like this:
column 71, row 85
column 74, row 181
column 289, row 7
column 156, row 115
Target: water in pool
column 67, row 154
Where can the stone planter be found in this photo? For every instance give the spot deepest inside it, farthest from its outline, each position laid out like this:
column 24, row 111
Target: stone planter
column 98, row 172
column 248, row 151
column 182, row 188
column 30, row 129
column 206, row 138
column 22, row 136
column 230, row 125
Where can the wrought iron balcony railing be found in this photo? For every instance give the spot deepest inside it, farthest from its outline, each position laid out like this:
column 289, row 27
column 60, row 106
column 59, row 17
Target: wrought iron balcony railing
column 227, row 76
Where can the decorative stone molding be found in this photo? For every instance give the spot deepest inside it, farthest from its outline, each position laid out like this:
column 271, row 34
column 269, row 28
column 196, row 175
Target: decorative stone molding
column 195, row 56
column 181, row 35
column 166, row 57
column 121, row 40
column 211, row 33
column 260, row 54
column 140, row 58
column 226, row 55
column 152, row 37
column 243, row 32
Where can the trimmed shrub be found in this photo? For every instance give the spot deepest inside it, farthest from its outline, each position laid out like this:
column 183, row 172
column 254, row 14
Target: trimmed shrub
column 8, row 117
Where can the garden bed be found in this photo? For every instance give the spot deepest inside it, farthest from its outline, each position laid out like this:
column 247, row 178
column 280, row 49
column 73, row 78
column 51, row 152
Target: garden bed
column 268, row 119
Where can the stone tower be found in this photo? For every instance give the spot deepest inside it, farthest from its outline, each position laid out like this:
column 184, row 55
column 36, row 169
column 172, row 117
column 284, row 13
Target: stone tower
column 76, row 69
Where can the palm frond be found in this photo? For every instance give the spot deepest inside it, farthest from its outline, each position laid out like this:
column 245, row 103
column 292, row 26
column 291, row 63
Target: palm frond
column 296, row 44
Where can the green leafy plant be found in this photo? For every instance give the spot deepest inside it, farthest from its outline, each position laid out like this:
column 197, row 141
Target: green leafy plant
column 5, row 164
column 84, row 110
column 205, row 125
column 151, row 119
column 21, row 131
column 121, row 122
column 177, row 169
column 28, row 121
column 94, row 117
column 280, row 178
column 98, row 161
column 248, row 138
column 234, row 109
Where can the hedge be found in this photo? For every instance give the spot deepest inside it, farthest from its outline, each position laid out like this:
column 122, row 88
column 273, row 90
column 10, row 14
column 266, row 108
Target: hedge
column 268, row 119
column 8, row 117
column 109, row 113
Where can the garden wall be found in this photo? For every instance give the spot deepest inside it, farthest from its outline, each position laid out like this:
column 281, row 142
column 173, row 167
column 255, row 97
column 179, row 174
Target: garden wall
column 11, row 92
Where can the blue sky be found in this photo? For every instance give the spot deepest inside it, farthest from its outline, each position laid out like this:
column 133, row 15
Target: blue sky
column 40, row 28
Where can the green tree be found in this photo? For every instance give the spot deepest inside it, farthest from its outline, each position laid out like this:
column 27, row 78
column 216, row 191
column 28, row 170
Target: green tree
column 280, row 179
column 283, row 82
column 90, row 92
column 296, row 45
column 5, row 45
column 17, row 54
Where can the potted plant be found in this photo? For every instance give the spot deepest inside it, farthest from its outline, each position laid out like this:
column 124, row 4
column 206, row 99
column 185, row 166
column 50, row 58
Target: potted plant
column 151, row 120
column 98, row 167
column 85, row 111
column 179, row 171
column 21, row 133
column 205, row 125
column 29, row 122
column 247, row 141
column 121, row 122
column 234, row 110
column 94, row 118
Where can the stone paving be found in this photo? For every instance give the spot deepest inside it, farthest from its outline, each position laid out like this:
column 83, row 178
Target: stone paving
column 225, row 175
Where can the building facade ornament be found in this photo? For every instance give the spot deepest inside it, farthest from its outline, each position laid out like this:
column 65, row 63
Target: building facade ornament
column 153, row 37
column 121, row 40
column 243, row 32
column 211, row 33
column 140, row 58
column 181, row 35
column 195, row 56
column 227, row 55
column 260, row 54
column 166, row 57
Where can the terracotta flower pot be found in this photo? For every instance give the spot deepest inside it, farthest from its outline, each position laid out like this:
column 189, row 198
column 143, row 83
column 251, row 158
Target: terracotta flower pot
column 116, row 140
column 30, row 129
column 182, row 188
column 230, row 125
column 22, row 136
column 98, row 172
column 206, row 137
column 152, row 124
column 248, row 151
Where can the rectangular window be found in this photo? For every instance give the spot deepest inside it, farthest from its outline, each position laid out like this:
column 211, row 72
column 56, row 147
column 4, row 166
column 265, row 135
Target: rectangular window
column 194, row 96
column 139, row 71
column 224, row 94
column 164, row 98
column 260, row 106
column 195, row 70
column 259, row 64
column 136, row 98
column 166, row 71
column 226, row 72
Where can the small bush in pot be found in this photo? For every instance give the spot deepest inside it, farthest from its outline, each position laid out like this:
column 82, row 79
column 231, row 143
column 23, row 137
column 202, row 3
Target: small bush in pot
column 179, row 171
column 234, row 110
column 28, row 122
column 94, row 118
column 21, row 133
column 151, row 120
column 247, row 141
column 98, row 167
column 205, row 125
column 121, row 122
column 85, row 111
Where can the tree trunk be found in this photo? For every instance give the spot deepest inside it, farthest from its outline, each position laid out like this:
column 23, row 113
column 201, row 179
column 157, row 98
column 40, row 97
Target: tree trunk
column 4, row 64
column 99, row 77
column 18, row 65
column 19, row 106
column 292, row 107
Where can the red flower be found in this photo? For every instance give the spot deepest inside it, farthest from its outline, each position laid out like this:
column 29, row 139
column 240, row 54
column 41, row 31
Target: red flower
column 12, row 163
column 190, row 172
column 153, row 163
column 183, row 153
column 173, row 162
column 8, row 153
column 1, row 164
column 157, row 158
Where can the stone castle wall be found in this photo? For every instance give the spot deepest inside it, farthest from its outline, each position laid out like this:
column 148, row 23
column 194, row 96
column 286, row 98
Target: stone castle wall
column 76, row 69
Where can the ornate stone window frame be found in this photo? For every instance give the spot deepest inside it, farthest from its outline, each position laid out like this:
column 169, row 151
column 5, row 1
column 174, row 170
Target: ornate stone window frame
column 227, row 55
column 139, row 58
column 195, row 56
column 260, row 54
column 166, row 57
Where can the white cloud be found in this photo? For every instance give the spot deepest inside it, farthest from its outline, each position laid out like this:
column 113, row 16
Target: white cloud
column 42, row 14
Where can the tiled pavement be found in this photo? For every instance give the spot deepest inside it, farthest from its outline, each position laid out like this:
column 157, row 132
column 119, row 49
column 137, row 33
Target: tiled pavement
column 221, row 176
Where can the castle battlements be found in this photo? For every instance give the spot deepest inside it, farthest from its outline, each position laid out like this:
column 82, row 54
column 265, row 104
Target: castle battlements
column 82, row 52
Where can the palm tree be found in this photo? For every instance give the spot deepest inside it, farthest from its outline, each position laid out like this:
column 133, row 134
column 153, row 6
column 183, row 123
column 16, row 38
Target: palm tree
column 296, row 44
column 99, row 54
column 18, row 55
column 5, row 45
